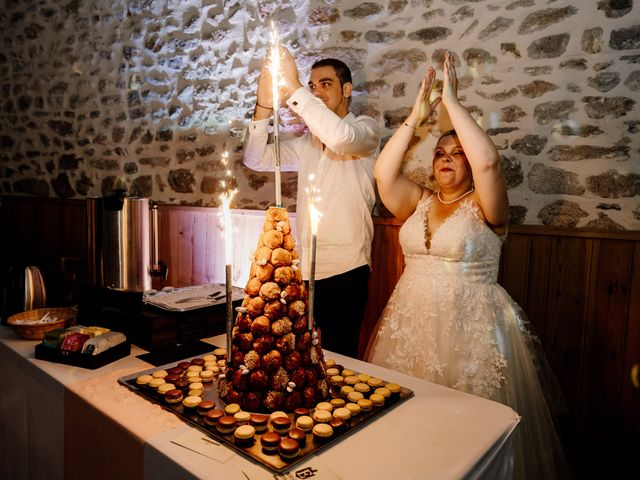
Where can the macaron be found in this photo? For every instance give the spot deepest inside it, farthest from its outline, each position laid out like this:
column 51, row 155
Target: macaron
column 347, row 373
column 394, row 388
column 220, row 353
column 194, row 368
column 346, row 390
column 144, row 380
column 322, row 432
column 259, row 422
column 175, row 371
column 324, row 406
column 377, row 399
column 337, row 380
column 338, row 402
column 288, row 449
column 337, row 424
column 159, row 374
column 209, row 358
column 244, row 435
column 232, row 409
column 351, row 380
column 299, row 436
column 192, row 401
column 330, row 362
column 270, row 442
column 205, row 406
column 277, row 413
column 281, row 425
column 300, row 412
column 181, row 384
column 332, row 371
column 212, row 416
column 172, row 377
column 156, row 382
column 354, row 408
column 173, row 396
column 226, row 425
column 384, row 391
column 242, row 417
column 206, row 376
column 355, row 396
column 197, row 361
column 304, row 423
column 342, row 413
column 362, row 388
column 375, row 382
column 365, row 404
column 322, row 416
column 184, row 365
column 165, row 387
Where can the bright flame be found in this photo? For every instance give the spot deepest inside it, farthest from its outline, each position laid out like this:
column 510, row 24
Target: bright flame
column 275, row 65
column 313, row 198
column 227, row 226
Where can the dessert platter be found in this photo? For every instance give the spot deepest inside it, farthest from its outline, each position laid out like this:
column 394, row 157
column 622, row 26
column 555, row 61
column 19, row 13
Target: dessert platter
column 270, row 394
column 279, row 439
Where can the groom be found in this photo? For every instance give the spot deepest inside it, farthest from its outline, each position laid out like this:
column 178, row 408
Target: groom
column 338, row 150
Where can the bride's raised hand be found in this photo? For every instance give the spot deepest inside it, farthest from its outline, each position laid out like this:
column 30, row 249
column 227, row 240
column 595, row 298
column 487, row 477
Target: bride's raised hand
column 450, row 81
column 422, row 108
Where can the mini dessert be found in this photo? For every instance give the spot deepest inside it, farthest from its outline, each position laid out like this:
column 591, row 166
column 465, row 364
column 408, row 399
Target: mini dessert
column 354, row 408
column 194, row 368
column 324, row 406
column 337, row 380
column 346, row 390
column 270, row 442
column 304, row 423
column 342, row 413
column 281, row 425
column 338, row 402
column 362, row 388
column 337, row 424
column 197, row 361
column 322, row 432
column 347, row 373
column 181, row 384
column 374, row 382
column 191, row 401
column 175, row 371
column 242, row 417
column 209, row 358
column 196, row 389
column 355, row 397
column 330, row 362
column 299, row 412
column 299, row 436
column 156, row 382
column 322, row 416
column 363, row 377
column 351, row 380
column 206, row 376
column 244, row 435
column 165, row 387
column 205, row 407
column 259, row 422
column 212, row 416
column 232, row 409
column 365, row 404
column 332, row 371
column 277, row 413
column 288, row 449
column 173, row 396
column 384, row 391
column 394, row 388
column 377, row 400
column 192, row 377
column 172, row 377
column 159, row 374
column 143, row 380
column 226, row 425
column 184, row 365
column 220, row 353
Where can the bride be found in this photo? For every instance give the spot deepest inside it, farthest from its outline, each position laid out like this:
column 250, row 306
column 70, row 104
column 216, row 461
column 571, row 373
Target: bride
column 448, row 321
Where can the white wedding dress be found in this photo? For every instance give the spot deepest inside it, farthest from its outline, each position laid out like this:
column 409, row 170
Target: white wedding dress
column 449, row 321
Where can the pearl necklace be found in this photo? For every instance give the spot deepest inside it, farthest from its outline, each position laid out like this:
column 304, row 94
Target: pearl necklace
column 455, row 199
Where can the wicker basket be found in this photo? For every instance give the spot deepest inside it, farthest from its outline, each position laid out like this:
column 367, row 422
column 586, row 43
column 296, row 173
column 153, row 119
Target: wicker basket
column 66, row 317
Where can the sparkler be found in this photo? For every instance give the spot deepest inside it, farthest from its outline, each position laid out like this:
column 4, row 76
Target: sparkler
column 275, row 81
column 314, row 219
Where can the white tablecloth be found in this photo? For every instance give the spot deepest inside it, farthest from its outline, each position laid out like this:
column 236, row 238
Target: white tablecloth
column 440, row 433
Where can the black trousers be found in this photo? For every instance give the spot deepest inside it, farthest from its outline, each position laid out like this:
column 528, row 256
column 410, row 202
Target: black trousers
column 339, row 306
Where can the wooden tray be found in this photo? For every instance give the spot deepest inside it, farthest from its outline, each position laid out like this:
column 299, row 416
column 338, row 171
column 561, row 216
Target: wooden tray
column 272, row 461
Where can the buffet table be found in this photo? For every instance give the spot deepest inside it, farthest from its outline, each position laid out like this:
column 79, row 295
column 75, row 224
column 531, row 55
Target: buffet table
column 58, row 421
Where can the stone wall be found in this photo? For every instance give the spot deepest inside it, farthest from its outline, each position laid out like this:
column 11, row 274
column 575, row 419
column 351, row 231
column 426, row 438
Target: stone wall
column 149, row 93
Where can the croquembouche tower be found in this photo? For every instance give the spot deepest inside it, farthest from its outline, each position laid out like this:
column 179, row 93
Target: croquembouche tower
column 276, row 361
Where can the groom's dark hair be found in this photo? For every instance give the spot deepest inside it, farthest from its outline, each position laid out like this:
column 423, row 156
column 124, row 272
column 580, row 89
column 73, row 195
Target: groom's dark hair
column 342, row 71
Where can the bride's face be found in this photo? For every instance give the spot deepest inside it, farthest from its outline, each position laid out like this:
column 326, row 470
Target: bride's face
column 450, row 165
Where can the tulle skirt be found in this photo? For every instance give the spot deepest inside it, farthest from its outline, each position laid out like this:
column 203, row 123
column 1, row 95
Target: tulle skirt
column 450, row 323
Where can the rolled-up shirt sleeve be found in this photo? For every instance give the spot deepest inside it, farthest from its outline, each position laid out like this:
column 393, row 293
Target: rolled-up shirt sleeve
column 360, row 136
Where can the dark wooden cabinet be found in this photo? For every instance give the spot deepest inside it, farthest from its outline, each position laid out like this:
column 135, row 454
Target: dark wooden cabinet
column 580, row 289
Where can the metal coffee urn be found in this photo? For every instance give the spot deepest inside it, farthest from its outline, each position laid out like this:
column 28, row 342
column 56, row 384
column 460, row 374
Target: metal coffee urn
column 128, row 256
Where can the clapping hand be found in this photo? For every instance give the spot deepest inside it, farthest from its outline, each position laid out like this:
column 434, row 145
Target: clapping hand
column 422, row 108
column 450, row 82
